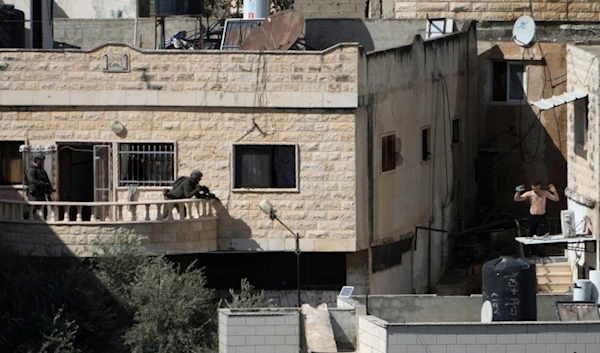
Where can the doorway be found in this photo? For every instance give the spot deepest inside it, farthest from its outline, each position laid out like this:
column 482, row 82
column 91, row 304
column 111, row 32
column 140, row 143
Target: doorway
column 83, row 175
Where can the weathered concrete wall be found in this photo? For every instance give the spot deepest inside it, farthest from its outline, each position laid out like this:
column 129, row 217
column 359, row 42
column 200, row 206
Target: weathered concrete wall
column 84, row 240
column 373, row 335
column 517, row 143
column 433, row 308
column 343, row 322
column 331, row 9
column 289, row 298
column 423, row 85
column 202, row 102
column 88, row 9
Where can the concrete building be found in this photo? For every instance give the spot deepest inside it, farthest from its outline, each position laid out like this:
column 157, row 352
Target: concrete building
column 408, row 324
column 354, row 149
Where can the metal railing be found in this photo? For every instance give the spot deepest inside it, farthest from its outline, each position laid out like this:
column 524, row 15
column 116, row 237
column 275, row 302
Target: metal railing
column 105, row 212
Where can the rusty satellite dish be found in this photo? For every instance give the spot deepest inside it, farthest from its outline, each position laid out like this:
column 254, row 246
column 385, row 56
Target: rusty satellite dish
column 278, row 32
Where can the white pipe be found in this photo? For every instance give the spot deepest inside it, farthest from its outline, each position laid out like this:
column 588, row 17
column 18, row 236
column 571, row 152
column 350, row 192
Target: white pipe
column 256, row 9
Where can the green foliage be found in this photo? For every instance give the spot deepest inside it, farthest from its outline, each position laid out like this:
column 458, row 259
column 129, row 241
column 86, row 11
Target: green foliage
column 174, row 312
column 247, row 298
column 119, row 301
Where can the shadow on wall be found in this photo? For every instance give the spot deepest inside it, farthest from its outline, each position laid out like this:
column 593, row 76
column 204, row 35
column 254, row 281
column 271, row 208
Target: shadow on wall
column 517, row 144
column 338, row 31
column 233, row 230
column 47, row 297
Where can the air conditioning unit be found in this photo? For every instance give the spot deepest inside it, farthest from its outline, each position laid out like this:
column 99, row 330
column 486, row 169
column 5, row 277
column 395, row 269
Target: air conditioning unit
column 567, row 223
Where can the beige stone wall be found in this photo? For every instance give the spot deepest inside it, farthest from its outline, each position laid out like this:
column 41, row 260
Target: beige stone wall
column 331, row 9
column 160, row 238
column 499, row 10
column 322, row 210
column 583, row 72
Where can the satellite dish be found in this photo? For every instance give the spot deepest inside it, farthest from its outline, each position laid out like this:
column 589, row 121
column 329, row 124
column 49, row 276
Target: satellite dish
column 278, row 32
column 524, row 31
column 487, row 312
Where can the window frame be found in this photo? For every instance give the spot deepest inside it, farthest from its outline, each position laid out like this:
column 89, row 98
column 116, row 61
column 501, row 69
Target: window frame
column 459, row 121
column 116, row 148
column 509, row 64
column 24, row 165
column 382, row 145
column 427, row 129
column 581, row 128
column 265, row 190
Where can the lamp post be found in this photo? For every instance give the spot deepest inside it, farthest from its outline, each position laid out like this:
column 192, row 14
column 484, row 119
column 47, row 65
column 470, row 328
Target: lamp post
column 267, row 208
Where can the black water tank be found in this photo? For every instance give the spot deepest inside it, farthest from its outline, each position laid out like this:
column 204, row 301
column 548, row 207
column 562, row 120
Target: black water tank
column 12, row 27
column 179, row 7
column 510, row 284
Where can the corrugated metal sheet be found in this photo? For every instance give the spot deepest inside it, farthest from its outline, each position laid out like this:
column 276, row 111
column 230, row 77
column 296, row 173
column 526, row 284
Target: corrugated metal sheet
column 555, row 101
column 236, row 31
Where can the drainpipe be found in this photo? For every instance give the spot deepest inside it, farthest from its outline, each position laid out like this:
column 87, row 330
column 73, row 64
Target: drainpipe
column 432, row 189
column 370, row 192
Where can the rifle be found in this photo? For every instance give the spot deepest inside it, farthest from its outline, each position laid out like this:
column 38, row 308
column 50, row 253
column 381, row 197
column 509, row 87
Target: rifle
column 204, row 193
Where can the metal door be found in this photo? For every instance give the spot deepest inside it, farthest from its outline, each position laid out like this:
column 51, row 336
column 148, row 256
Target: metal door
column 102, row 185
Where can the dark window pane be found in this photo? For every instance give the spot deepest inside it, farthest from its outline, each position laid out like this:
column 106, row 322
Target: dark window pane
column 456, row 130
column 11, row 163
column 388, row 153
column 425, row 144
column 147, row 164
column 265, row 166
column 516, row 82
column 499, row 80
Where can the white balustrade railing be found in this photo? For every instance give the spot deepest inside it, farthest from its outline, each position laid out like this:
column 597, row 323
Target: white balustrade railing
column 105, row 212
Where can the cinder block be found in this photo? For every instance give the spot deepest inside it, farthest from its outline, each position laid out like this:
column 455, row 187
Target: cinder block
column 265, row 330
column 476, row 348
column 556, row 348
column 255, row 320
column 285, row 330
column 255, row 340
column 274, row 340
column 275, row 320
column 524, row 338
column 446, row 339
column 516, row 348
column 247, row 330
column 456, row 348
column 236, row 340
column 536, row 348
column 486, row 339
column 466, row 339
column 586, row 338
column 285, row 349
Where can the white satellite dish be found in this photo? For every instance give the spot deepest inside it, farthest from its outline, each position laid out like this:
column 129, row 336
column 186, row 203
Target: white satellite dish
column 524, row 31
column 487, row 312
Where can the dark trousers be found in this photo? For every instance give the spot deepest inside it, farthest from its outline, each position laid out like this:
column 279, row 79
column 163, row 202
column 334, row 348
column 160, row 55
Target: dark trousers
column 35, row 208
column 537, row 226
column 169, row 207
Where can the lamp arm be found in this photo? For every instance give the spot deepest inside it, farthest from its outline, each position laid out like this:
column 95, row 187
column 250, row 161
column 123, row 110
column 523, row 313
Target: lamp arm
column 286, row 227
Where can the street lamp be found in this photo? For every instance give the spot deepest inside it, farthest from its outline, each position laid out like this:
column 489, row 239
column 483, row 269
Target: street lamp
column 267, row 208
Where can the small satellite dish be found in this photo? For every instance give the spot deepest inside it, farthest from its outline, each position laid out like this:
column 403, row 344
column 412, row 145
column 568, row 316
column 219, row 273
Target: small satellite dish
column 278, row 32
column 346, row 291
column 524, row 31
column 487, row 312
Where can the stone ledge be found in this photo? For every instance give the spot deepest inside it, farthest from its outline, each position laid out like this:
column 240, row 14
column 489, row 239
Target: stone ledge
column 582, row 200
column 307, row 100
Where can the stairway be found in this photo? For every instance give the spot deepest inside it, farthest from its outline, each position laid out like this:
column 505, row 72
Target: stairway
column 554, row 275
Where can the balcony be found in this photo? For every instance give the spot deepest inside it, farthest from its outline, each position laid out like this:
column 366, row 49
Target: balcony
column 83, row 228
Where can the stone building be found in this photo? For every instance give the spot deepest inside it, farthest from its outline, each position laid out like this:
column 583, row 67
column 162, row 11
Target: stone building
column 353, row 149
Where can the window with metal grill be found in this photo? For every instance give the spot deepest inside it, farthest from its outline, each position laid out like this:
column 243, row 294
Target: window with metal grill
column 146, row 164
column 388, row 153
column 265, row 166
column 11, row 163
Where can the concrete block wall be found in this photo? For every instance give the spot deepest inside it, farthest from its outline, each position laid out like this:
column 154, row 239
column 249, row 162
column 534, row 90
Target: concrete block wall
column 530, row 337
column 259, row 331
column 372, row 335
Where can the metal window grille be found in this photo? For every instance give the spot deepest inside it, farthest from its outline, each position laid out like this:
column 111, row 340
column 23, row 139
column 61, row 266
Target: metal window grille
column 146, row 164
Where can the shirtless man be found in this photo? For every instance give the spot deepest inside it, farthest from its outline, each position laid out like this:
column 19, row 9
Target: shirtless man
column 537, row 209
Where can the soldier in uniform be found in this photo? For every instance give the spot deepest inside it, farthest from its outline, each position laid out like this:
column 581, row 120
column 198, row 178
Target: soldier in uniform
column 183, row 188
column 38, row 184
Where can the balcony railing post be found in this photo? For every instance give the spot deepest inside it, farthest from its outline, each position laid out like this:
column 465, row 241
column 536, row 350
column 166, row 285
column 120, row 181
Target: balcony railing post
column 147, row 218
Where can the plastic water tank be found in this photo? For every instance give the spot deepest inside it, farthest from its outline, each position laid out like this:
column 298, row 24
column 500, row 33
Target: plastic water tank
column 510, row 284
column 178, row 7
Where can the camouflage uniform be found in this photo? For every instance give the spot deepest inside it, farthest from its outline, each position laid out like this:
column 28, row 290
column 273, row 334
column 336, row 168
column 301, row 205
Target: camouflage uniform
column 184, row 188
column 39, row 187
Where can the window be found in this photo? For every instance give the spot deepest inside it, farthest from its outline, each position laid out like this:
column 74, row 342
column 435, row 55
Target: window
column 425, row 152
column 581, row 126
column 265, row 166
column 509, row 81
column 11, row 163
column 457, row 130
column 388, row 152
column 146, row 164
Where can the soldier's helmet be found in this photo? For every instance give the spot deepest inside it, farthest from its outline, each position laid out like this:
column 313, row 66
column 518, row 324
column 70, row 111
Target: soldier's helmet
column 38, row 156
column 196, row 175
